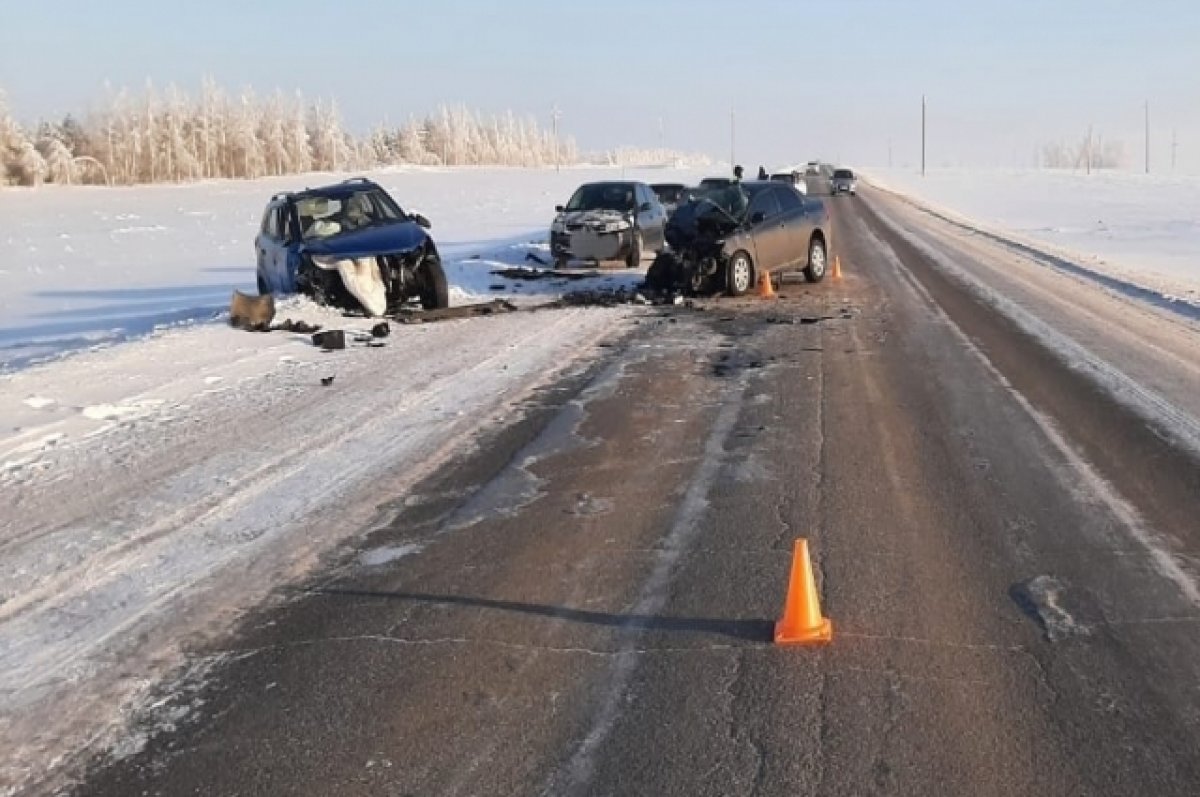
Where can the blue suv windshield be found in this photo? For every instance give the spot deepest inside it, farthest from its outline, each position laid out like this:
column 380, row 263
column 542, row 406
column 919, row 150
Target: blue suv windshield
column 326, row 216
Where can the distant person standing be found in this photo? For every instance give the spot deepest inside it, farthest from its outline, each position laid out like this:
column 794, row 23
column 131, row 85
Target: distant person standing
column 762, row 173
column 737, row 174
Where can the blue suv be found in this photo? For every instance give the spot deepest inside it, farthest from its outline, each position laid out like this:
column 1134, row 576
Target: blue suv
column 349, row 245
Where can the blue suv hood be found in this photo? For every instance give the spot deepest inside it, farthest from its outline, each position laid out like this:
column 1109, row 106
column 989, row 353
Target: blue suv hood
column 384, row 239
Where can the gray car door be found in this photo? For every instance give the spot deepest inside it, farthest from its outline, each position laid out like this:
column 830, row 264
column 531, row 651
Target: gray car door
column 769, row 231
column 799, row 224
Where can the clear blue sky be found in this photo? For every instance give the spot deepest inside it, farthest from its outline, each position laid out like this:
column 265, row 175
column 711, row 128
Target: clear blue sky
column 837, row 78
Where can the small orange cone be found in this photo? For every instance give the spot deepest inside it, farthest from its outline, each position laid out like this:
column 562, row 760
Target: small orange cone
column 837, row 267
column 765, row 289
column 802, row 623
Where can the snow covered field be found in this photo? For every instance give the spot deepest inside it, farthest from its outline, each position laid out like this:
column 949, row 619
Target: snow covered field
column 1141, row 229
column 154, row 487
column 84, row 266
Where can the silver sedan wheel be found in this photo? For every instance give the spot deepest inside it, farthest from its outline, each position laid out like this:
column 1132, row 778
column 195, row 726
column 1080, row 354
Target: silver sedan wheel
column 816, row 260
column 740, row 275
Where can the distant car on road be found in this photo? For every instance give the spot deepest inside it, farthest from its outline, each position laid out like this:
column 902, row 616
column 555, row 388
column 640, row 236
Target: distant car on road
column 669, row 194
column 725, row 238
column 616, row 220
column 843, row 182
column 794, row 179
column 351, row 246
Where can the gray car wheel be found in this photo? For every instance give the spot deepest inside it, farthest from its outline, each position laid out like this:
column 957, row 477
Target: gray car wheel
column 634, row 259
column 817, row 261
column 740, row 274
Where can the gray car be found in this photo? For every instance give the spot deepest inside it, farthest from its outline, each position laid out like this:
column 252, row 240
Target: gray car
column 615, row 220
column 725, row 239
column 843, row 182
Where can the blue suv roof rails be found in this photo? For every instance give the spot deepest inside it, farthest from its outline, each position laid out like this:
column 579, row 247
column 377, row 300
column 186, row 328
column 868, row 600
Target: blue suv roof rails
column 356, row 180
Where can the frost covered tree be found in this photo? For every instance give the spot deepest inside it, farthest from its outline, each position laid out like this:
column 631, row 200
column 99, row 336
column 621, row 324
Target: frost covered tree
column 153, row 136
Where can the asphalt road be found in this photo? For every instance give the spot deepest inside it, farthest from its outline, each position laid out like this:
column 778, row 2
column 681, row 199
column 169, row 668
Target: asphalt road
column 584, row 606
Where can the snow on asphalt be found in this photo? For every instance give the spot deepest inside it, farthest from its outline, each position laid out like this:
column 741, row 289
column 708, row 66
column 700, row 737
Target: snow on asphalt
column 1137, row 228
column 162, row 472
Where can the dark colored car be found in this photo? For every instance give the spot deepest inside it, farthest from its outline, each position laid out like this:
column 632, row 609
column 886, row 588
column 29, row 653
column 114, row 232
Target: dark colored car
column 843, row 182
column 614, row 220
column 726, row 238
column 351, row 246
column 669, row 194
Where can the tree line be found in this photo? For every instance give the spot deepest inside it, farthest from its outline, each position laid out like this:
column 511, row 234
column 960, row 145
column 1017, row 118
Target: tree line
column 171, row 136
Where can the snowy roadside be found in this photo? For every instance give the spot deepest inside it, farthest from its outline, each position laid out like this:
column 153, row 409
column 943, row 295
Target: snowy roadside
column 1140, row 231
column 165, row 484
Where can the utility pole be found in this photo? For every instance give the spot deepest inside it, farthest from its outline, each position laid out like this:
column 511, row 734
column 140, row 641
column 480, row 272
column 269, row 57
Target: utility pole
column 555, row 115
column 732, row 130
column 922, row 135
column 1087, row 151
column 1147, row 136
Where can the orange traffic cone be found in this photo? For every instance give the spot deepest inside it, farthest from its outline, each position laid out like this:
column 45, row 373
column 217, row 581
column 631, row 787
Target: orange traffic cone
column 802, row 623
column 765, row 289
column 837, row 267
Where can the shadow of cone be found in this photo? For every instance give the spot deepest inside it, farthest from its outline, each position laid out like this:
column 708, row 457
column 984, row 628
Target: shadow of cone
column 837, row 267
column 802, row 623
column 765, row 289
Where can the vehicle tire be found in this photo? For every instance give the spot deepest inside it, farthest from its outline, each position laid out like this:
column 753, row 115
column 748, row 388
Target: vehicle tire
column 263, row 290
column 817, row 260
column 435, row 291
column 739, row 274
column 634, row 258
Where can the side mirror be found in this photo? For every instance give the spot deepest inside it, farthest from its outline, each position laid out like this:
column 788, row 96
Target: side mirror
column 558, row 208
column 644, row 207
column 421, row 220
column 757, row 217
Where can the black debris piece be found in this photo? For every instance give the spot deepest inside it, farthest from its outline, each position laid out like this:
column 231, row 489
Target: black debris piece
column 521, row 273
column 327, row 381
column 463, row 311
column 496, row 287
column 381, row 330
column 299, row 327
column 330, row 339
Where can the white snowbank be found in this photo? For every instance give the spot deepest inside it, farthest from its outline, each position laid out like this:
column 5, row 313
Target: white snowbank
column 1143, row 229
